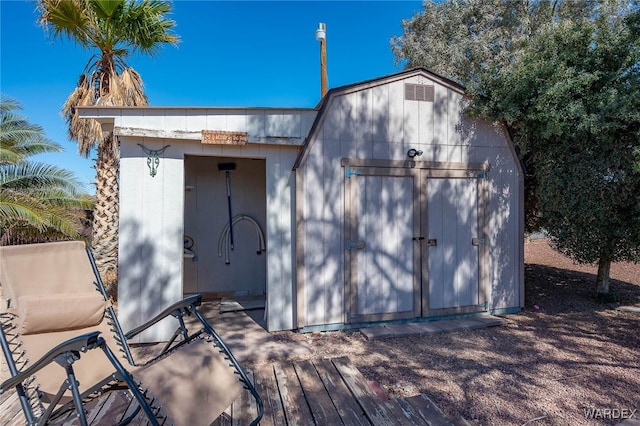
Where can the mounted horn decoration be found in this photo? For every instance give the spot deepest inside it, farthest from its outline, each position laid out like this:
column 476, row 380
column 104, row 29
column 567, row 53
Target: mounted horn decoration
column 153, row 160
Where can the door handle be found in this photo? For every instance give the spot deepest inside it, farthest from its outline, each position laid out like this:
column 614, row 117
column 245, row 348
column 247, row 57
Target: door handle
column 418, row 238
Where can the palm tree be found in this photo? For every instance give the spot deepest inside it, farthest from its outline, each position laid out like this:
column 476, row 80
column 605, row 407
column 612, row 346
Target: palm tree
column 115, row 28
column 38, row 202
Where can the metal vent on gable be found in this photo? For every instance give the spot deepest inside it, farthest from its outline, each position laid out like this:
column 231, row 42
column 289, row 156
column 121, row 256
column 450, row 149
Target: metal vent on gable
column 418, row 92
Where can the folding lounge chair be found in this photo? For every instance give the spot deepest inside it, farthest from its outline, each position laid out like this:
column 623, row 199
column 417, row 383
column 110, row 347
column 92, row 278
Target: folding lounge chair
column 65, row 349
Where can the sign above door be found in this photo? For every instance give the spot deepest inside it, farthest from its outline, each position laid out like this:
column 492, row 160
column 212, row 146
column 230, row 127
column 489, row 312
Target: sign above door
column 219, row 137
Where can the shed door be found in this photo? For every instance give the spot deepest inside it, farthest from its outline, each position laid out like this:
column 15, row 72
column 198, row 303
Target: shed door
column 453, row 247
column 382, row 219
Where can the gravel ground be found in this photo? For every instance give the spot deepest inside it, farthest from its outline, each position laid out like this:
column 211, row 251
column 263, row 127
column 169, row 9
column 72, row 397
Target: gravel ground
column 564, row 355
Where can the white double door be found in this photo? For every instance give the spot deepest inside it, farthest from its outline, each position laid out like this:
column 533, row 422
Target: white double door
column 412, row 243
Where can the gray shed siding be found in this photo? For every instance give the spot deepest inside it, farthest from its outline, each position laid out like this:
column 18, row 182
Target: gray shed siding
column 373, row 121
column 152, row 209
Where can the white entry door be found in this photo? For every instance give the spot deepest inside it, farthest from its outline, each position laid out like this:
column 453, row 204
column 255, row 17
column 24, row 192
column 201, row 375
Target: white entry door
column 380, row 246
column 452, row 244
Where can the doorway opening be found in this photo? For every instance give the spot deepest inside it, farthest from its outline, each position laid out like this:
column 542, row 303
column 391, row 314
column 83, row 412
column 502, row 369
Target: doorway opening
column 225, row 230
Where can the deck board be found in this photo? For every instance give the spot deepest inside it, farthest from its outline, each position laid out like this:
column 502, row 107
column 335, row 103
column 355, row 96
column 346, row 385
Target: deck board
column 321, row 406
column 348, row 408
column 311, row 392
column 224, row 419
column 265, row 383
column 402, row 416
column 296, row 408
column 10, row 410
column 428, row 410
column 244, row 406
column 375, row 411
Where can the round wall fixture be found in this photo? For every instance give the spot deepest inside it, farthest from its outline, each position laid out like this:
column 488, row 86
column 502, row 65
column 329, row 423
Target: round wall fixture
column 414, row 153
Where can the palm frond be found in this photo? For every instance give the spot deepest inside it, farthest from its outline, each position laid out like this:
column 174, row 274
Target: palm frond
column 37, row 201
column 45, row 211
column 19, row 208
column 29, row 175
column 8, row 104
column 147, row 26
column 66, row 18
column 19, row 138
column 87, row 133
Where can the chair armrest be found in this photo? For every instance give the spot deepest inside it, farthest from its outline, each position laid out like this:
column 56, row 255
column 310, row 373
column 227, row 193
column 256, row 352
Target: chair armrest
column 81, row 343
column 187, row 303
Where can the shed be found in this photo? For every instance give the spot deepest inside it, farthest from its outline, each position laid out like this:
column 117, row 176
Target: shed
column 385, row 203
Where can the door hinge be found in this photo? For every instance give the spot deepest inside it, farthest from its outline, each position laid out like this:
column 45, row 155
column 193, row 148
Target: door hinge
column 351, row 172
column 355, row 244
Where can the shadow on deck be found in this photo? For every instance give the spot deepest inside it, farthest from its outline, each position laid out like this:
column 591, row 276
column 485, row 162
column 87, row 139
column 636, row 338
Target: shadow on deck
column 308, row 392
column 327, row 392
column 311, row 392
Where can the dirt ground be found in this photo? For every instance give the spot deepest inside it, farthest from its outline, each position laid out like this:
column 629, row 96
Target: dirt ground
column 564, row 360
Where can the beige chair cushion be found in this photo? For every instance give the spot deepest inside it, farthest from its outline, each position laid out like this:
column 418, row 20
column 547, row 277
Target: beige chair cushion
column 195, row 384
column 51, row 289
column 44, row 313
column 92, row 367
column 48, row 268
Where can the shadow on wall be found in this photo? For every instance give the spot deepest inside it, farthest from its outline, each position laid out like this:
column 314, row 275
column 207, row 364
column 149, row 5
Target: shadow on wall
column 454, row 263
column 505, row 237
column 362, row 125
column 349, row 130
column 273, row 125
column 479, row 138
column 281, row 251
column 149, row 278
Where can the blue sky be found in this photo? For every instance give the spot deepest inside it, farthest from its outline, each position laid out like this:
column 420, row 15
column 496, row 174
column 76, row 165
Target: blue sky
column 233, row 53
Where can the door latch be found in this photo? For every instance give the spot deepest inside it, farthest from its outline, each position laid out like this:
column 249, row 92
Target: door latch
column 432, row 242
column 477, row 241
column 355, row 244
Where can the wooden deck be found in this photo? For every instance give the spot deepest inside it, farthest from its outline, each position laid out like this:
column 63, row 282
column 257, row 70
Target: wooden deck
column 328, row 392
column 318, row 392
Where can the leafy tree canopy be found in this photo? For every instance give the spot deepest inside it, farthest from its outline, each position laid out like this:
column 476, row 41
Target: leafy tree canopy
column 574, row 95
column 568, row 87
column 466, row 40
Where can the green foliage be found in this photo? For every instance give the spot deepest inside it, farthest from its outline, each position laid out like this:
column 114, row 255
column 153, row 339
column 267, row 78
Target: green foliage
column 468, row 40
column 575, row 94
column 37, row 201
column 568, row 87
column 19, row 138
column 116, row 27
